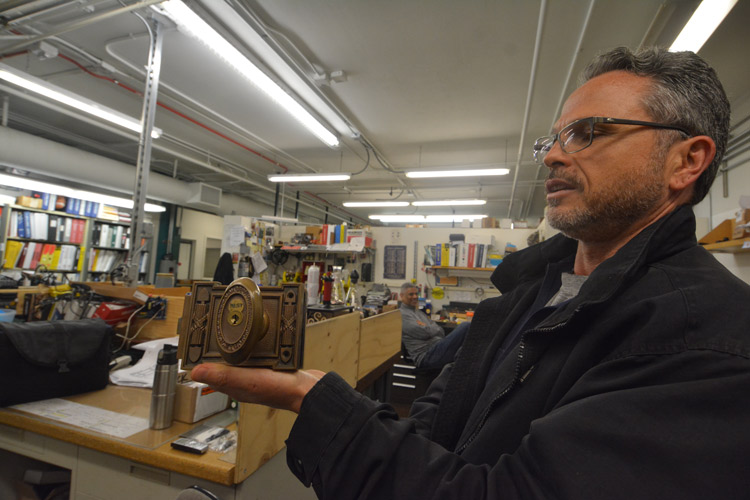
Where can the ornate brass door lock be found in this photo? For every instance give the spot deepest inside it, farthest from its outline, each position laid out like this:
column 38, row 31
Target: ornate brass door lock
column 241, row 324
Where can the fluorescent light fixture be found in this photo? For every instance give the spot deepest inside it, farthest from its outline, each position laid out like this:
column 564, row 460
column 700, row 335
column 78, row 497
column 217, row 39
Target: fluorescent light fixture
column 426, row 219
column 308, row 177
column 192, row 24
column 444, row 203
column 706, row 18
column 452, row 218
column 362, row 204
column 44, row 187
column 398, row 218
column 59, row 94
column 421, row 174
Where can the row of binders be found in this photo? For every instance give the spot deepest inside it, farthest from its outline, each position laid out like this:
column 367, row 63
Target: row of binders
column 29, row 255
column 103, row 261
column 68, row 205
column 111, row 236
column 42, row 226
column 332, row 233
column 461, row 254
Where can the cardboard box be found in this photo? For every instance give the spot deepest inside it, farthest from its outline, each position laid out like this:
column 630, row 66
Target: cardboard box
column 28, row 201
column 314, row 231
column 195, row 401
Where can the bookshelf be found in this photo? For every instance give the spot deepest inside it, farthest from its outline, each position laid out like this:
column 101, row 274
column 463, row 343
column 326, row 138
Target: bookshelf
column 32, row 237
column 78, row 246
column 110, row 245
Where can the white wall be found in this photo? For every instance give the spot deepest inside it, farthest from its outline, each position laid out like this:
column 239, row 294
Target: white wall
column 465, row 292
column 198, row 226
column 424, row 236
column 717, row 207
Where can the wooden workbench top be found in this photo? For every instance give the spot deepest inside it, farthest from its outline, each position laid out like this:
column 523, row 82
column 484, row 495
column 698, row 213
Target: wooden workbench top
column 148, row 447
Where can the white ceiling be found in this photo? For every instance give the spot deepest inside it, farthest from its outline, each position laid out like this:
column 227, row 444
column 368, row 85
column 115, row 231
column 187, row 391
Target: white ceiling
column 430, row 84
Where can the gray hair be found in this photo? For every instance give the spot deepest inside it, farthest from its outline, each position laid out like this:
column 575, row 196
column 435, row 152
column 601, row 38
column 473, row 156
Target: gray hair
column 407, row 285
column 686, row 93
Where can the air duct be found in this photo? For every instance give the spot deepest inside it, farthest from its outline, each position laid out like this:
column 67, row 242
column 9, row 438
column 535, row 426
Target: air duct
column 36, row 154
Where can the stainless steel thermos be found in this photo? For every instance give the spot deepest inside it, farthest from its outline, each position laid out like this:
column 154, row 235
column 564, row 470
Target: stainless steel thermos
column 165, row 386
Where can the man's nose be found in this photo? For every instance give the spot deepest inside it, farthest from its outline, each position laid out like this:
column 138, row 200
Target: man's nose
column 556, row 157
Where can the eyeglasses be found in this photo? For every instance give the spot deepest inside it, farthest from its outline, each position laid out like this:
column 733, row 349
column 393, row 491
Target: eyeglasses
column 580, row 134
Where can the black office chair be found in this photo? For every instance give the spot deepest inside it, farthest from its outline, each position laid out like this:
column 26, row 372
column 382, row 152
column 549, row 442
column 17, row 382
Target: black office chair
column 408, row 382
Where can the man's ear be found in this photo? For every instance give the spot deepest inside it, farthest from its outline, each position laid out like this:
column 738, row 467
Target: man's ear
column 688, row 160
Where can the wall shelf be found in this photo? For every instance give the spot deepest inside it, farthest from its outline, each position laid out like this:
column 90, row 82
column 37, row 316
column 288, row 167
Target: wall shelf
column 463, row 272
column 719, row 240
column 324, row 249
column 731, row 246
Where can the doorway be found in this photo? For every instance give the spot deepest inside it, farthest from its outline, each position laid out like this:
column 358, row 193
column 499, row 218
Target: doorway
column 185, row 260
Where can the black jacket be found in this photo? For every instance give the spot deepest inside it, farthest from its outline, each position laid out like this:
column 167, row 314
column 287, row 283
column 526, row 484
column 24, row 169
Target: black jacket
column 636, row 388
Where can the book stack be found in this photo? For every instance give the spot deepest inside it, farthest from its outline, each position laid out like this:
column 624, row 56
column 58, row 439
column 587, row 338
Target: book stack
column 331, row 234
column 74, row 206
column 461, row 254
column 111, row 236
column 42, row 226
column 109, row 213
column 28, row 255
column 104, row 261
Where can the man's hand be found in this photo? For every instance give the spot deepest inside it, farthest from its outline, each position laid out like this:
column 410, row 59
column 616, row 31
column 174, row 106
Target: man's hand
column 277, row 389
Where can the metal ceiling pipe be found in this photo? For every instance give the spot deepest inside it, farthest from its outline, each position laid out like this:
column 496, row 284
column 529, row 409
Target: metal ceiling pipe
column 157, row 145
column 529, row 96
column 81, row 24
column 9, row 5
column 32, row 153
column 43, row 10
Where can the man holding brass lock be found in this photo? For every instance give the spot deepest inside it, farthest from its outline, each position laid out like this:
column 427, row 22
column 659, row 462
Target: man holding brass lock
column 617, row 360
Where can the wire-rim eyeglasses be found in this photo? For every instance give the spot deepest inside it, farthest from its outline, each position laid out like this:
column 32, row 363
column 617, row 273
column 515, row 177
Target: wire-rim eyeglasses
column 579, row 135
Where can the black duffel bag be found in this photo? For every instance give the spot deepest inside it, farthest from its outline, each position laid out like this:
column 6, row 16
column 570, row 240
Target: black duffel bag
column 50, row 359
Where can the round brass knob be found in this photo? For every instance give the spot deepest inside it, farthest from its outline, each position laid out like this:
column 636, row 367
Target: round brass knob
column 241, row 321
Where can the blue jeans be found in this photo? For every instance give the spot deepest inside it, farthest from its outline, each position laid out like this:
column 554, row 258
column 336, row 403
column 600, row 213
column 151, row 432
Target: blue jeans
column 443, row 352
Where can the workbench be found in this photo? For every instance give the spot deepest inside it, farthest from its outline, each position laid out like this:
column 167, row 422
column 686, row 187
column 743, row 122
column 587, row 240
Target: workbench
column 145, row 466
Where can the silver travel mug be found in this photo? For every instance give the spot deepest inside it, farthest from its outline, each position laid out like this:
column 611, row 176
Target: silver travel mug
column 165, row 386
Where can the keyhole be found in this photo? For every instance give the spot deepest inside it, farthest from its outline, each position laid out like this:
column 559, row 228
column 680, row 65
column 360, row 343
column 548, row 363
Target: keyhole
column 234, row 319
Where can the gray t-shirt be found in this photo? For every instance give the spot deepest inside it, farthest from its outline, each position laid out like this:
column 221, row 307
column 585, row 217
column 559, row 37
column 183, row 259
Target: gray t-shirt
column 418, row 332
column 570, row 285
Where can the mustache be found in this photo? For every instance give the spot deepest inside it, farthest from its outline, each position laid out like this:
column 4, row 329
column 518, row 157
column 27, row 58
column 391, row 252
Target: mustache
column 569, row 179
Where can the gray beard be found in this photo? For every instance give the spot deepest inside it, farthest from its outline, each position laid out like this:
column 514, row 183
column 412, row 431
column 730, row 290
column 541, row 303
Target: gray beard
column 606, row 215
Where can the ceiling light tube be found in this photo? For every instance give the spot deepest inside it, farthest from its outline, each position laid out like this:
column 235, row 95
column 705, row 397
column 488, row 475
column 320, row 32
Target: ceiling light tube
column 452, row 218
column 398, row 218
column 421, row 174
column 59, row 94
column 426, row 218
column 192, row 24
column 444, row 203
column 373, row 204
column 45, row 187
column 308, row 177
column 704, row 21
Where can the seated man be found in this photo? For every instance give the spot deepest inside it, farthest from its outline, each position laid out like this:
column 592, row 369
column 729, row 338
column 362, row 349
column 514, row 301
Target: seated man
column 425, row 340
